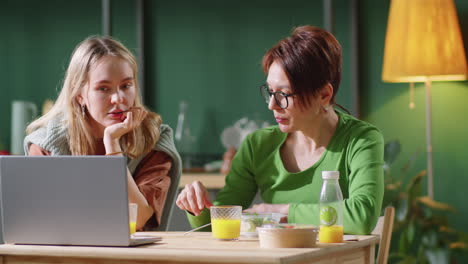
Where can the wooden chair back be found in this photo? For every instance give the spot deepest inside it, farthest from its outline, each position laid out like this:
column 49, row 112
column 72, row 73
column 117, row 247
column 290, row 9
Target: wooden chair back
column 384, row 229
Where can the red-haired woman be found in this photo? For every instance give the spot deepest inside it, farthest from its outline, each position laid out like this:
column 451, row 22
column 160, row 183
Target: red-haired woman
column 284, row 162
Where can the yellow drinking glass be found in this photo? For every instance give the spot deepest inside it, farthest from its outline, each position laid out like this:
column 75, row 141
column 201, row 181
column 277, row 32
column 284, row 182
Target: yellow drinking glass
column 132, row 216
column 226, row 221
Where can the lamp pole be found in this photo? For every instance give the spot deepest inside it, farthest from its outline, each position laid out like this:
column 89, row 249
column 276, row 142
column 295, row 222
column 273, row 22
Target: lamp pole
column 430, row 188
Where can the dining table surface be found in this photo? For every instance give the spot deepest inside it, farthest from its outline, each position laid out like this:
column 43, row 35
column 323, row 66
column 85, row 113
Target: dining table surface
column 210, row 180
column 195, row 247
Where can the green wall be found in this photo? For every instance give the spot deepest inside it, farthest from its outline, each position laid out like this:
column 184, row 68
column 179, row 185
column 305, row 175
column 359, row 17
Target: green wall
column 209, row 52
column 36, row 42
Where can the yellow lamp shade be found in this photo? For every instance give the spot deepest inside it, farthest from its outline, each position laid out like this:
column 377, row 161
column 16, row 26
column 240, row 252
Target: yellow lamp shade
column 423, row 42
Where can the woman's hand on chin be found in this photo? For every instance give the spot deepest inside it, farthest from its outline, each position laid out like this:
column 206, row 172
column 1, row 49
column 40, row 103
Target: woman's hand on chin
column 132, row 119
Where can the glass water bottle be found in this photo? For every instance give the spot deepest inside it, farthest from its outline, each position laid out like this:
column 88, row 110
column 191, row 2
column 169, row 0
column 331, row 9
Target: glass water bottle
column 184, row 140
column 331, row 209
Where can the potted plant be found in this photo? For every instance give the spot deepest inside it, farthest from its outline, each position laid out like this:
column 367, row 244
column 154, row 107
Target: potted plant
column 422, row 233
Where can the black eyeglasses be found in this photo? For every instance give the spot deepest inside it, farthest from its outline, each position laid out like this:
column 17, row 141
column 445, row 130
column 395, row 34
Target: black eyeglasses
column 281, row 98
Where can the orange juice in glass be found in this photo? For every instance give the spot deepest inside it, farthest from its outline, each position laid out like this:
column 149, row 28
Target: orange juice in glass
column 226, row 221
column 132, row 227
column 331, row 234
column 132, row 217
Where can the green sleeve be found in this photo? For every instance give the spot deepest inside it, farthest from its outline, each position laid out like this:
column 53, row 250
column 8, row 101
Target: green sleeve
column 365, row 184
column 240, row 186
column 202, row 219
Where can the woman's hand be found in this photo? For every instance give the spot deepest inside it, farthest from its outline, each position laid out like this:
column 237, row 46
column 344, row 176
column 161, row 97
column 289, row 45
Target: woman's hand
column 268, row 208
column 194, row 198
column 130, row 120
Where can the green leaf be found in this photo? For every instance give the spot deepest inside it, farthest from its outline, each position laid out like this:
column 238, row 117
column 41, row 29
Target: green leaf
column 393, row 186
column 463, row 237
column 427, row 212
column 438, row 256
column 428, row 201
column 410, row 232
column 421, row 257
column 390, row 198
column 403, row 246
column 401, row 210
column 408, row 260
column 391, row 151
column 459, row 245
column 394, row 256
column 409, row 163
column 429, row 239
column 416, row 179
column 414, row 187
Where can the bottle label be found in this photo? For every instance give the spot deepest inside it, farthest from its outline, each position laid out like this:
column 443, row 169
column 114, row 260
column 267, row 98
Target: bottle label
column 328, row 215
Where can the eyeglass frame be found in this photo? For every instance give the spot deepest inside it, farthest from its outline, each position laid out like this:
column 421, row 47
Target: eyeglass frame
column 266, row 88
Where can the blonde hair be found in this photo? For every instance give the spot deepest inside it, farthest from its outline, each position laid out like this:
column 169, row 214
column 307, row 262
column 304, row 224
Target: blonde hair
column 140, row 141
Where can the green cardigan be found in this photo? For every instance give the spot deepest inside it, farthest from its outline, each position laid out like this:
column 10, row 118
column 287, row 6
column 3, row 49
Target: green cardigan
column 355, row 150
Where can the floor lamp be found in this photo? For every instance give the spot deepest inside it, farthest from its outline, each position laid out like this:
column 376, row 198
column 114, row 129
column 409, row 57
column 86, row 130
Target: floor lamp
column 424, row 44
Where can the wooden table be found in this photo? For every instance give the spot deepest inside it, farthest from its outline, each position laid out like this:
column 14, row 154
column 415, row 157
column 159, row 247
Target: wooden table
column 195, row 247
column 210, row 180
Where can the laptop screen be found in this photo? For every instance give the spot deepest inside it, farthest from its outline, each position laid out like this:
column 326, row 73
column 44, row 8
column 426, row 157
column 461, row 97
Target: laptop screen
column 64, row 200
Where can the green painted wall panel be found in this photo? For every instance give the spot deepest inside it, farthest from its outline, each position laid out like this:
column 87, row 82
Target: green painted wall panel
column 342, row 33
column 123, row 21
column 38, row 38
column 208, row 53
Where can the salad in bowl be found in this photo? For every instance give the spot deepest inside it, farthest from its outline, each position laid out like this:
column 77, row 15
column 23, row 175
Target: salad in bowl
column 250, row 222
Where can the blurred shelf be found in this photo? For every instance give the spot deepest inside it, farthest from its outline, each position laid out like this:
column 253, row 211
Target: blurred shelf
column 210, row 180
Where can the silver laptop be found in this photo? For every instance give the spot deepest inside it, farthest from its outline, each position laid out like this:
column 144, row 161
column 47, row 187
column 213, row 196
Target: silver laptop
column 66, row 200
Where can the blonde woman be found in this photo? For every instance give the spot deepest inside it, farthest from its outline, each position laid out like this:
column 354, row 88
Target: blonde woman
column 99, row 112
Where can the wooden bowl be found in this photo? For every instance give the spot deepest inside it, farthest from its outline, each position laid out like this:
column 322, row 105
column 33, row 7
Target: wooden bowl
column 293, row 237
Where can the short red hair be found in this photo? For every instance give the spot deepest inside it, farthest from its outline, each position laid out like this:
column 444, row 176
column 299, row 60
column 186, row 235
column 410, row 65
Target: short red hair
column 311, row 58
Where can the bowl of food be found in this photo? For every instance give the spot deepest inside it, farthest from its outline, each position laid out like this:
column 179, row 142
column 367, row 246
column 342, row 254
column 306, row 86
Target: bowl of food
column 287, row 236
column 250, row 222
